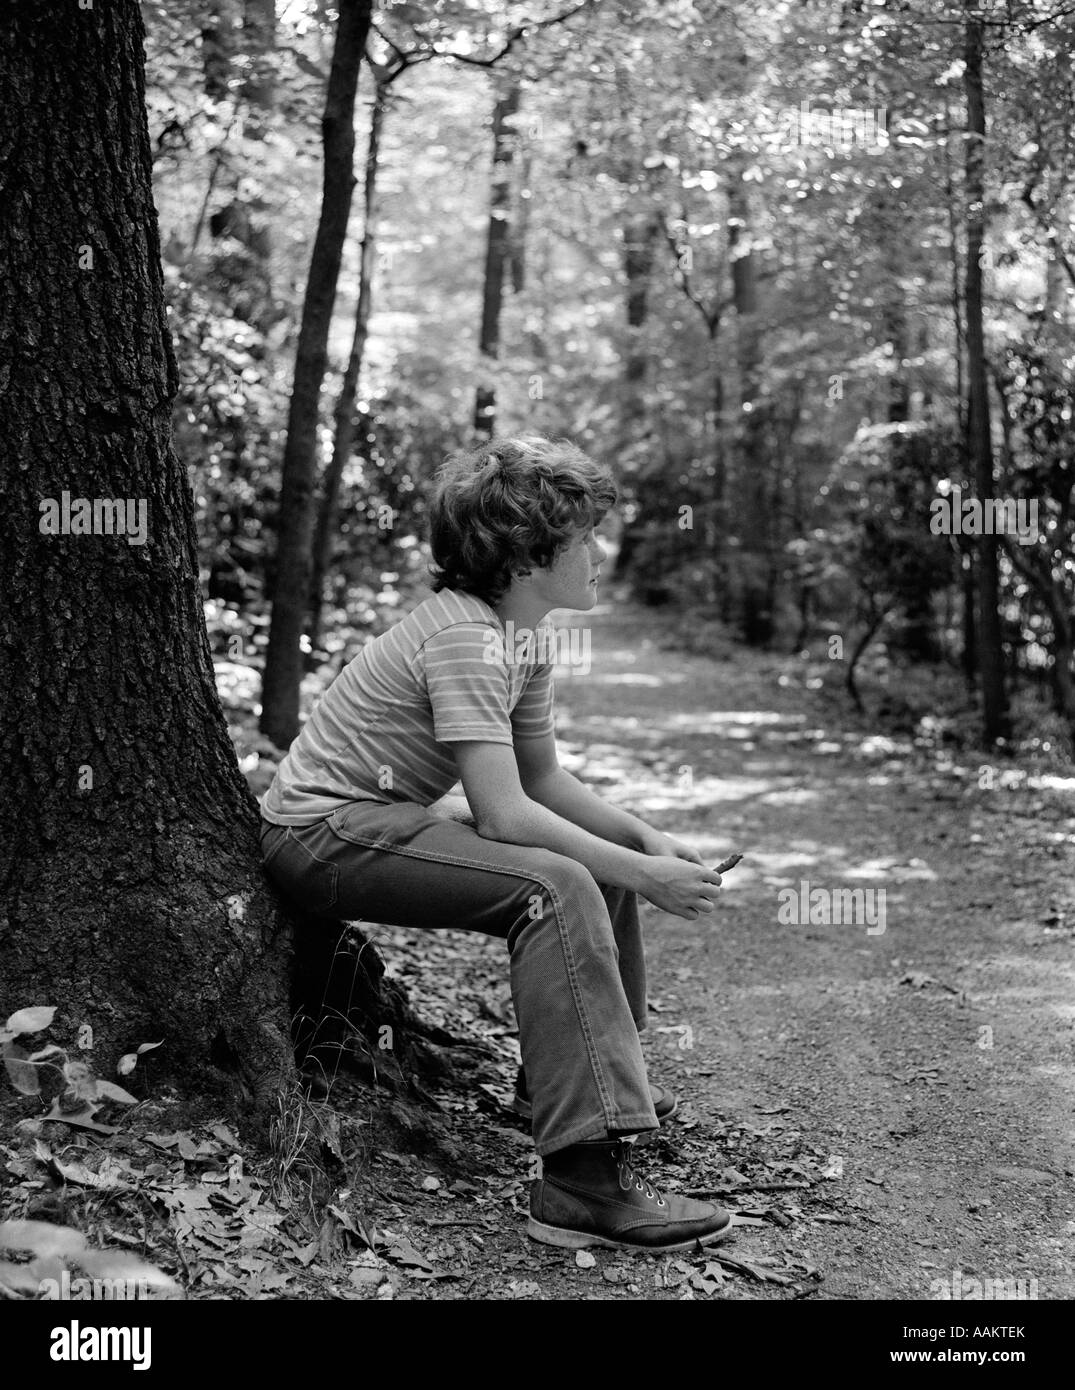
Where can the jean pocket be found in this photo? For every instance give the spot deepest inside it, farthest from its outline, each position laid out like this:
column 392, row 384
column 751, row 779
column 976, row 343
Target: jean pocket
column 313, row 883
column 271, row 839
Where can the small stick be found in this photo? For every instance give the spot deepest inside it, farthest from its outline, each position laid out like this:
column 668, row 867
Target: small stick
column 751, row 1187
column 729, row 863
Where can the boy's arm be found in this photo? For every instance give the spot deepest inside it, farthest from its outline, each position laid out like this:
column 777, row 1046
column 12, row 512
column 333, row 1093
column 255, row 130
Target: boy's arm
column 504, row 811
column 549, row 784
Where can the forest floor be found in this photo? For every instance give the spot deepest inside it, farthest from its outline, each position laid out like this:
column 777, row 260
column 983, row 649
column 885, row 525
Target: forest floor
column 890, row 1114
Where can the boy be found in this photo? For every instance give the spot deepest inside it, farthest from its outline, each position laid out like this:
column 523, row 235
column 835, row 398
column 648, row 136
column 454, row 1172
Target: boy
column 549, row 866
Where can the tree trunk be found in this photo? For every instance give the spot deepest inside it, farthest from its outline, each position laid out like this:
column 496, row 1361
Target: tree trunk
column 979, row 444
column 259, row 41
column 343, row 438
column 218, row 44
column 754, row 523
column 497, row 251
column 133, row 897
column 291, row 591
column 639, row 235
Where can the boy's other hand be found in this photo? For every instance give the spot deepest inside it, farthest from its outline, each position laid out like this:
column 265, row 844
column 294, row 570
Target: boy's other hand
column 679, row 886
column 654, row 842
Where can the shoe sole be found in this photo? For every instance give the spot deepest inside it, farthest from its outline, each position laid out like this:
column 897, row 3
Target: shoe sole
column 582, row 1240
column 525, row 1111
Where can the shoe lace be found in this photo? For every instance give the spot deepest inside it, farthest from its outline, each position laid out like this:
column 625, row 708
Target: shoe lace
column 629, row 1178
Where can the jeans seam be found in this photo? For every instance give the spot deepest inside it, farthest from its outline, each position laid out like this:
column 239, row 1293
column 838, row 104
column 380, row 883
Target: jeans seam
column 572, row 971
column 325, row 863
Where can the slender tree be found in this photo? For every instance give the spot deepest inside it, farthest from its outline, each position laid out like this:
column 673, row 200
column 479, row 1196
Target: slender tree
column 295, row 526
column 343, row 436
column 990, row 649
column 498, row 249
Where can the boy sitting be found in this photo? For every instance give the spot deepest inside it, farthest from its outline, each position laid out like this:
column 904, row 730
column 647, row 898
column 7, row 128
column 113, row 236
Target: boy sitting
column 549, row 866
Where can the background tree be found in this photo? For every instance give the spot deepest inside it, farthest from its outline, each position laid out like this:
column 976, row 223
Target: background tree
column 295, row 526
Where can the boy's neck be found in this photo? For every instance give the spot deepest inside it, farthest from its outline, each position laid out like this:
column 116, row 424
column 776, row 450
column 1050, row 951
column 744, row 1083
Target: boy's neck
column 523, row 610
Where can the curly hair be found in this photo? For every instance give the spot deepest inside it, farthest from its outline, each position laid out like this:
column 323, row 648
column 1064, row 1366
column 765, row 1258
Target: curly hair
column 509, row 505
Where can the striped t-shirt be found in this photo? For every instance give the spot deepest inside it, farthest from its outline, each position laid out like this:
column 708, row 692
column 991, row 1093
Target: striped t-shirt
column 382, row 729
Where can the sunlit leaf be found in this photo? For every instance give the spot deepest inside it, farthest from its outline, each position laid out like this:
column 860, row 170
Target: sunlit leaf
column 114, row 1092
column 30, row 1020
column 22, row 1073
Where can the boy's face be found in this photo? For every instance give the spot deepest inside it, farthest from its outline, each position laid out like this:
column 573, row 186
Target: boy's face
column 570, row 581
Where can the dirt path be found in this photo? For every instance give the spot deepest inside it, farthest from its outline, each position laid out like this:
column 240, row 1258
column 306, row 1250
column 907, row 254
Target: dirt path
column 904, row 1096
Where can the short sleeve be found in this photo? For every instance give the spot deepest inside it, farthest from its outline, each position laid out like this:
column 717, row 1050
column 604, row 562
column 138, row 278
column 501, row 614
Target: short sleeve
column 467, row 683
column 532, row 717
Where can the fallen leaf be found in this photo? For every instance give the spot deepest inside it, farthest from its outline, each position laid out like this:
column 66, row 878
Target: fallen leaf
column 405, row 1254
column 21, row 1072
column 523, row 1288
column 80, row 1119
column 42, row 1238
column 114, row 1092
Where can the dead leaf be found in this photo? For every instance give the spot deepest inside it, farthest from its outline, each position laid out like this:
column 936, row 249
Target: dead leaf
column 523, row 1288
column 110, row 1090
column 80, row 1119
column 404, row 1253
column 223, row 1133
column 162, row 1141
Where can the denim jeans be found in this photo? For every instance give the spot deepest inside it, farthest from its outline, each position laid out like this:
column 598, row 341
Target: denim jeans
column 578, row 974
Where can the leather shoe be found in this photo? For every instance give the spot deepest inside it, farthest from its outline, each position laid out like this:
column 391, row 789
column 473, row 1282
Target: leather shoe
column 591, row 1195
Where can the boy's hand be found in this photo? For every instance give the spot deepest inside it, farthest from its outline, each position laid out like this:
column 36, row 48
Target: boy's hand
column 653, row 842
column 679, row 886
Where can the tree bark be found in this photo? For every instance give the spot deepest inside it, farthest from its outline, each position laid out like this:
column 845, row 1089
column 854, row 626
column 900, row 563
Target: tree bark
column 132, row 894
column 343, row 438
column 291, row 592
column 497, row 251
column 979, row 444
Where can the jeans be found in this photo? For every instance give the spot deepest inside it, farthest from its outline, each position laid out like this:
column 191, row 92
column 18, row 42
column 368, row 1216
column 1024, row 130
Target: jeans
column 578, row 974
